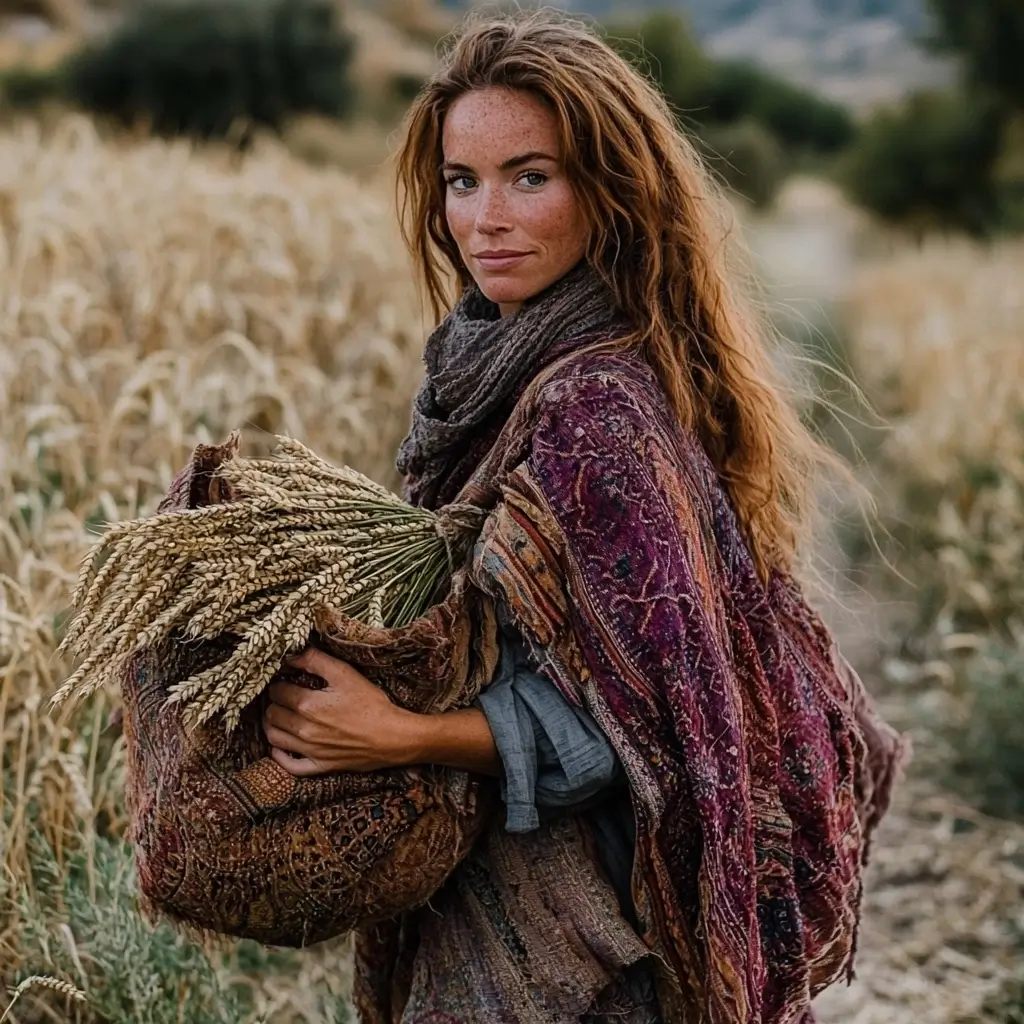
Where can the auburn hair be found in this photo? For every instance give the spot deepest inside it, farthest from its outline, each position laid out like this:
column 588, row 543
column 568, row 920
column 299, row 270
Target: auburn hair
column 660, row 236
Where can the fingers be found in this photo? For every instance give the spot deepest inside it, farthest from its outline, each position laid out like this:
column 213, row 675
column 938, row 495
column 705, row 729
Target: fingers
column 318, row 663
column 337, row 674
column 284, row 728
column 290, row 695
column 299, row 766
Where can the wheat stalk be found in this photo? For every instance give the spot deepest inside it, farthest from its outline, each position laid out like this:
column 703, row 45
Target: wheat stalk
column 300, row 533
column 42, row 981
column 151, row 297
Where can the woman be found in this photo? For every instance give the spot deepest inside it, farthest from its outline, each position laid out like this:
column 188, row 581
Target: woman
column 691, row 772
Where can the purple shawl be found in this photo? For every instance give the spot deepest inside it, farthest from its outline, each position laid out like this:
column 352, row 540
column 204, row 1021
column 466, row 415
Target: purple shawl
column 757, row 766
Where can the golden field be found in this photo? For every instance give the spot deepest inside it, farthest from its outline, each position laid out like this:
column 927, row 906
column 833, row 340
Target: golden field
column 938, row 342
column 153, row 296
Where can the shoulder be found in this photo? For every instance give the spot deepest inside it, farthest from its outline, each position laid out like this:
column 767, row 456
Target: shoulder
column 605, row 390
column 606, row 439
column 612, row 404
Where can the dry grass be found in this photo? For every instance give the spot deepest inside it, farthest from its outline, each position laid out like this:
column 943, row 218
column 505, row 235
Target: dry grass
column 151, row 298
column 936, row 336
column 940, row 345
column 938, row 339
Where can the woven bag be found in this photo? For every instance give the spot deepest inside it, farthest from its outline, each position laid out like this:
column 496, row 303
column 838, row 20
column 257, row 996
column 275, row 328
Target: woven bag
column 227, row 841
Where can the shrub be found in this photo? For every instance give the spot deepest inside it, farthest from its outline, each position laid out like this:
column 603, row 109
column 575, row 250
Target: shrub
column 989, row 34
column 713, row 93
column 135, row 972
column 405, row 87
column 796, row 116
column 989, row 740
column 664, row 47
column 747, row 158
column 25, row 87
column 929, row 163
column 197, row 67
column 937, row 342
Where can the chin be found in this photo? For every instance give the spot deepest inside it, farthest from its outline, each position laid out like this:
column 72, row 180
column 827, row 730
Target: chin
column 508, row 290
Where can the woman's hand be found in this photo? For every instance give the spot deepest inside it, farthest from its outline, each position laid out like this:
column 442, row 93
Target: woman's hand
column 349, row 726
column 352, row 726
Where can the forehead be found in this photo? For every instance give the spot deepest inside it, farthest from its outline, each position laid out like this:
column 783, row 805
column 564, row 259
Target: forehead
column 491, row 125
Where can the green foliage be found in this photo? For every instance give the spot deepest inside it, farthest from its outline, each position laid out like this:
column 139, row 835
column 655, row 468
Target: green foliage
column 79, row 922
column 797, row 117
column 717, row 93
column 133, row 972
column 665, row 49
column 748, row 158
column 989, row 742
column 960, row 541
column 26, row 87
column 929, row 163
column 201, row 67
column 989, row 34
column 751, row 122
column 405, row 87
column 1007, row 1007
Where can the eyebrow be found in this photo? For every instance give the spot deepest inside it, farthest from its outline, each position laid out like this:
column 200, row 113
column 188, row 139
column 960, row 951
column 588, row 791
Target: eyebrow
column 506, row 165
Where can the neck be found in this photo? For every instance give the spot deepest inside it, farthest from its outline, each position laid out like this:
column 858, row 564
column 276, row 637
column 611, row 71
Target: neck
column 508, row 308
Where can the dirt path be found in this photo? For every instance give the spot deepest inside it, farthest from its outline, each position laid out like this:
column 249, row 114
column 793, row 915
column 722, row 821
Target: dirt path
column 942, row 895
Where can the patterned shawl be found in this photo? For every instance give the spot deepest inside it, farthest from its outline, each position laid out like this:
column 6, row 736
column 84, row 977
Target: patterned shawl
column 757, row 766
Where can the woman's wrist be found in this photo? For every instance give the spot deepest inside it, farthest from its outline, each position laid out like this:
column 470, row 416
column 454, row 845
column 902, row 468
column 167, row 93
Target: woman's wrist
column 415, row 738
column 456, row 739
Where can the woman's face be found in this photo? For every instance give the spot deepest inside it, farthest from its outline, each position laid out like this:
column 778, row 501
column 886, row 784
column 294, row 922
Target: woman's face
column 509, row 205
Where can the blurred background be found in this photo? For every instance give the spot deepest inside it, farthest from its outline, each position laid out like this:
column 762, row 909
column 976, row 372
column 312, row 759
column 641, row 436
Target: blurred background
column 197, row 232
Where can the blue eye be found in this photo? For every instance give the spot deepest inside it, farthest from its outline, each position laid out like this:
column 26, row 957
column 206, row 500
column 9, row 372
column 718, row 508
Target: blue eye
column 535, row 178
column 452, row 179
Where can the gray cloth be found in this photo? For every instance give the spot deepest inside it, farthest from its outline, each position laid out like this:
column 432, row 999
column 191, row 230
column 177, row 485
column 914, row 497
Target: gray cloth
column 476, row 359
column 554, row 755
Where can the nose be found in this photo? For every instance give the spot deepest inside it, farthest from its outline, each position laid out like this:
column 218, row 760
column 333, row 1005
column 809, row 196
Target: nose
column 492, row 213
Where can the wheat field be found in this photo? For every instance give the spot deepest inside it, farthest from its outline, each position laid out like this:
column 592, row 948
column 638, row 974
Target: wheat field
column 152, row 297
column 938, row 342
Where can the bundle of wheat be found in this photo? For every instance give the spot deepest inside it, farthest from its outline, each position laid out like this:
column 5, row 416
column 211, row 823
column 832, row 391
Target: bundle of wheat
column 225, row 840
column 295, row 532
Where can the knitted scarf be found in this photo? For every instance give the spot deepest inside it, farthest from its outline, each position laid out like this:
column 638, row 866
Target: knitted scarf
column 477, row 361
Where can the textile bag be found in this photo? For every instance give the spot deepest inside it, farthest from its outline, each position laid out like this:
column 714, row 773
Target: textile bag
column 227, row 841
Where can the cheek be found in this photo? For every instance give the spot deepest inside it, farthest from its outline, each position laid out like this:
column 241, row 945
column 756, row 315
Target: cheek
column 460, row 218
column 555, row 216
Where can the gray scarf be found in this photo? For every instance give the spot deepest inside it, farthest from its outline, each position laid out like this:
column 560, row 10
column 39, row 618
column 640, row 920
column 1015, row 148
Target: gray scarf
column 476, row 359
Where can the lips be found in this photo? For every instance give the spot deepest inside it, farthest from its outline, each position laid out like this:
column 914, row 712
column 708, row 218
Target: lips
column 500, row 259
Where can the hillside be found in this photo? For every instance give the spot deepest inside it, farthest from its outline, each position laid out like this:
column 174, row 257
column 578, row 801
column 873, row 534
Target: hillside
column 713, row 16
column 860, row 52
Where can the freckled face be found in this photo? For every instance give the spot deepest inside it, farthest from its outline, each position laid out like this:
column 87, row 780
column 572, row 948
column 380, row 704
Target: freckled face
column 509, row 205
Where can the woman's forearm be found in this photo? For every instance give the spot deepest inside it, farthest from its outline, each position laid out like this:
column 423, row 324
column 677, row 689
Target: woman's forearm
column 456, row 739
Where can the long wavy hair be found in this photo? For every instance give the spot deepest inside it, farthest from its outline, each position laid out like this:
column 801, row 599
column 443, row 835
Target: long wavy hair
column 660, row 235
